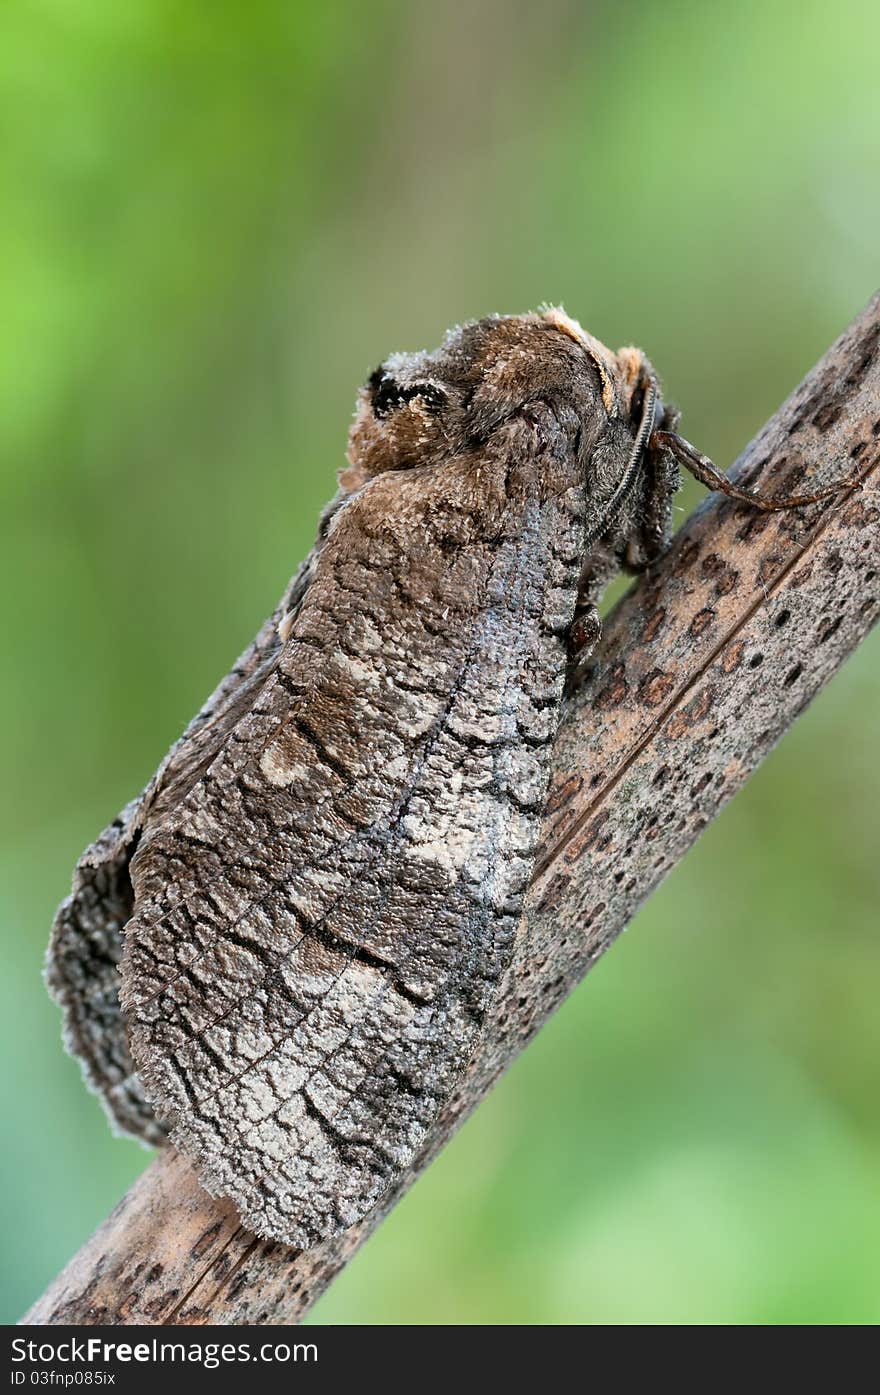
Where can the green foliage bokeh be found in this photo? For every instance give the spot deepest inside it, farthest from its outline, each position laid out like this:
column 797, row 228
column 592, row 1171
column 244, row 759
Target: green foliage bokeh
column 216, row 218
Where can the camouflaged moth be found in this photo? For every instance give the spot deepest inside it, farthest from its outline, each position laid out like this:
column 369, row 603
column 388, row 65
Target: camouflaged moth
column 283, row 951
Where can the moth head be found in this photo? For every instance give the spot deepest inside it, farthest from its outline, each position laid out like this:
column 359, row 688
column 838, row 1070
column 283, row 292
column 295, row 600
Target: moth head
column 502, row 374
column 417, row 410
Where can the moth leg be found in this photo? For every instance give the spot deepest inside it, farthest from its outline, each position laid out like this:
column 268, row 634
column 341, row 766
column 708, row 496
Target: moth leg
column 707, row 472
column 584, row 635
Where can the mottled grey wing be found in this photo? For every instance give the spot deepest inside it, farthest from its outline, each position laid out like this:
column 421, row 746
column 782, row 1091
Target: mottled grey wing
column 322, row 920
column 82, row 975
column 85, row 948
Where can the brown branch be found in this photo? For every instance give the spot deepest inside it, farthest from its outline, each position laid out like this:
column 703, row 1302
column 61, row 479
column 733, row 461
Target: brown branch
column 702, row 667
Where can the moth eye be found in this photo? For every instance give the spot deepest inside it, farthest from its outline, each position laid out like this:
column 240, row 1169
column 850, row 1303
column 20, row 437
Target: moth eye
column 386, row 394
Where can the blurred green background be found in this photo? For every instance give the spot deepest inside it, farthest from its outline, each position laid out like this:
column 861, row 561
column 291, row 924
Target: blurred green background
column 216, row 219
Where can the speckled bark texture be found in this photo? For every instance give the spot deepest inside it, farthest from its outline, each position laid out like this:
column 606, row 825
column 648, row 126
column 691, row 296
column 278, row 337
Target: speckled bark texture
column 700, row 670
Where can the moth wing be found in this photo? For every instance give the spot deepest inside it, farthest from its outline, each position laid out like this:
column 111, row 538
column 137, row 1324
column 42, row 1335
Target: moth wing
column 82, row 975
column 85, row 946
column 320, row 926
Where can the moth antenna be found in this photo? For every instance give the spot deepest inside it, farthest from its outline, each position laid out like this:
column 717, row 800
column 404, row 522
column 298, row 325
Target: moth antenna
column 631, row 469
column 703, row 469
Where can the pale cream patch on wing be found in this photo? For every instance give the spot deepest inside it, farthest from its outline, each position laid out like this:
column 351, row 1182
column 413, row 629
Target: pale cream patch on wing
column 279, row 769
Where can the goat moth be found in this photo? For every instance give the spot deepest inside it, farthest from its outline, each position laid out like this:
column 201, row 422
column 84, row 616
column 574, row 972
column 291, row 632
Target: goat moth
column 281, row 953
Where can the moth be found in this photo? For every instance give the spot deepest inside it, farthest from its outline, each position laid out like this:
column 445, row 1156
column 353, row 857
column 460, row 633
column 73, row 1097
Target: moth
column 281, row 954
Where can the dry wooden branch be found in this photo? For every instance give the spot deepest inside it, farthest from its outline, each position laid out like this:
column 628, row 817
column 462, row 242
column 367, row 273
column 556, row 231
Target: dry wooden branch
column 702, row 667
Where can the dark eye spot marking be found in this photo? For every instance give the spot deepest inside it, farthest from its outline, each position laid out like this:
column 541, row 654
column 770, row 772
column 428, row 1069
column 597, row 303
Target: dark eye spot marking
column 433, row 397
column 386, row 394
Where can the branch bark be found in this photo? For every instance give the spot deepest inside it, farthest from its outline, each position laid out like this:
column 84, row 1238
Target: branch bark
column 702, row 667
